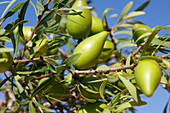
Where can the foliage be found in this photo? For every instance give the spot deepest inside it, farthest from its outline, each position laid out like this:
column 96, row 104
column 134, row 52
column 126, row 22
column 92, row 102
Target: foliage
column 111, row 82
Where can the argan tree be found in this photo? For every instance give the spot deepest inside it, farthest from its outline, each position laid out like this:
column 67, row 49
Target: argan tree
column 73, row 61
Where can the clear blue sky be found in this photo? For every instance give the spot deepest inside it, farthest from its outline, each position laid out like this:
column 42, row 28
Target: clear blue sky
column 157, row 13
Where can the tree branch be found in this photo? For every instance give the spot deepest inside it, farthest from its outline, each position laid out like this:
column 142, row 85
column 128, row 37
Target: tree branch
column 63, row 53
column 38, row 20
column 34, row 59
column 102, row 71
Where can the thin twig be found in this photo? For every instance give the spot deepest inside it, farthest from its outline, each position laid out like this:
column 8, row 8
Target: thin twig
column 43, row 76
column 102, row 71
column 38, row 20
column 164, row 56
column 63, row 53
column 34, row 59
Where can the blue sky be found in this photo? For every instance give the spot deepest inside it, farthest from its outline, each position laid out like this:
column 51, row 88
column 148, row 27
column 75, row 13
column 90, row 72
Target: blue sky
column 157, row 13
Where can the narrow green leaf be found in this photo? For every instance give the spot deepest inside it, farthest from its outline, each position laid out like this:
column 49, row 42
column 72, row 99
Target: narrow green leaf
column 125, row 10
column 51, row 61
column 69, row 61
column 123, row 32
column 133, row 14
column 103, row 67
column 19, row 86
column 102, row 89
column 21, row 17
column 43, row 85
column 105, row 12
column 5, row 38
column 34, row 7
column 114, row 101
column 31, row 108
column 46, row 18
column 13, row 9
column 39, row 6
column 41, row 106
column 57, row 100
column 6, row 49
column 9, row 5
column 128, row 62
column 155, row 30
column 3, row 109
column 140, row 8
column 166, row 63
column 3, row 82
column 129, row 105
column 131, row 88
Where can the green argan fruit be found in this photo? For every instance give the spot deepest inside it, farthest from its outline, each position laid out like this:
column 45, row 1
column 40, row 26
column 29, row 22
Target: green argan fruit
column 90, row 50
column 53, row 88
column 107, row 51
column 6, row 60
column 148, row 75
column 97, row 26
column 79, row 26
column 27, row 30
column 138, row 30
column 96, row 107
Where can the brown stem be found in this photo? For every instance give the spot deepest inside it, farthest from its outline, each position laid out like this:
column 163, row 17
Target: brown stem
column 63, row 53
column 38, row 20
column 34, row 59
column 102, row 71
column 164, row 56
column 47, row 75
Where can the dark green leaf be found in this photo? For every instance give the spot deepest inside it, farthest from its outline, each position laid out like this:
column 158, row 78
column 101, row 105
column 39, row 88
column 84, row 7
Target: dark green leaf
column 3, row 82
column 43, row 86
column 13, row 9
column 46, row 19
column 140, row 8
column 21, row 17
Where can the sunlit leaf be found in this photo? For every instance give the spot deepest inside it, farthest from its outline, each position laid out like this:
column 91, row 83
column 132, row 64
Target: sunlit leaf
column 131, row 88
column 31, row 108
column 133, row 14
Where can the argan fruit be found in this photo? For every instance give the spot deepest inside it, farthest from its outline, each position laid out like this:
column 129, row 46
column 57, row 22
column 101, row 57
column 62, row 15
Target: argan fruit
column 79, row 26
column 96, row 107
column 107, row 51
column 90, row 50
column 147, row 76
column 27, row 30
column 97, row 26
column 6, row 60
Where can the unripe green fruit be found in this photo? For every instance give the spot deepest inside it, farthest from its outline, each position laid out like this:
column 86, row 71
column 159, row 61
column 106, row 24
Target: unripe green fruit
column 27, row 30
column 148, row 75
column 97, row 26
column 55, row 89
column 90, row 49
column 79, row 26
column 107, row 51
column 6, row 60
column 97, row 107
column 138, row 30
